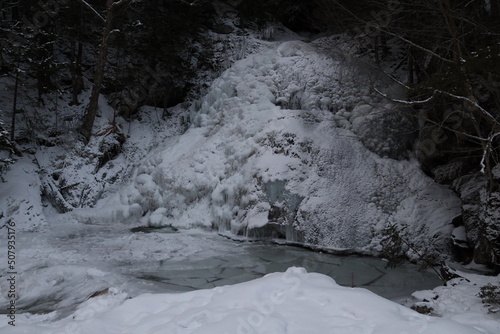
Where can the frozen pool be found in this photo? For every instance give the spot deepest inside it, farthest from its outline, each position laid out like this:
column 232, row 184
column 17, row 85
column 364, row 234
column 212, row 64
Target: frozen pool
column 255, row 259
column 58, row 268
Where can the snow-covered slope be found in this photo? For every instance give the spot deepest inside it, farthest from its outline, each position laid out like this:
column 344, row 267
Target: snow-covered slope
column 294, row 302
column 276, row 149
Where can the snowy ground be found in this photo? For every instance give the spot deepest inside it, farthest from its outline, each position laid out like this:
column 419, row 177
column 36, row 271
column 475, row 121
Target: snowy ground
column 294, row 302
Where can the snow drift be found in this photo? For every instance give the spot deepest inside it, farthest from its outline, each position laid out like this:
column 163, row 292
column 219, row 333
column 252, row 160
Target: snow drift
column 291, row 302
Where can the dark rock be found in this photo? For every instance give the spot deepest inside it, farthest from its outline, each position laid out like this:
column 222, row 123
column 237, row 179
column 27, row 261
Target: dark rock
column 223, row 29
column 487, row 248
column 110, row 147
column 448, row 273
column 461, row 249
column 99, row 293
column 468, row 188
column 422, row 308
column 481, row 218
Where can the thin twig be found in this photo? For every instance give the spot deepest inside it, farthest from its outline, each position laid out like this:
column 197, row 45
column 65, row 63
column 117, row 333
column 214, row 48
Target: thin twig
column 86, row 4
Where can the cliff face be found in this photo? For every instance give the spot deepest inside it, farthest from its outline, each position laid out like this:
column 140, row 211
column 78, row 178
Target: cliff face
column 480, row 219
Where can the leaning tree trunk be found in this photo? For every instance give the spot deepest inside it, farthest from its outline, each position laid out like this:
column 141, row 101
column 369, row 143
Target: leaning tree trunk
column 14, row 104
column 90, row 114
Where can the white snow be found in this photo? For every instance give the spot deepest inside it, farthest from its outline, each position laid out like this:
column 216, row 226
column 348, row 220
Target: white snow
column 21, row 197
column 459, row 300
column 294, row 302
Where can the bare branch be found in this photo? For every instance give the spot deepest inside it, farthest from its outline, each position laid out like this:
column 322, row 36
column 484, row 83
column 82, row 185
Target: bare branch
column 415, row 45
column 86, row 4
column 474, row 103
column 405, row 102
column 458, row 97
column 117, row 4
column 416, row 102
column 379, row 28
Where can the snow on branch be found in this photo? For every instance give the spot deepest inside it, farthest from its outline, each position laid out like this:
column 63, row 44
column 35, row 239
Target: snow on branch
column 487, row 150
column 488, row 140
column 190, row 3
column 405, row 102
column 438, row 91
column 86, row 4
column 118, row 3
column 486, row 143
column 474, row 103
column 111, row 5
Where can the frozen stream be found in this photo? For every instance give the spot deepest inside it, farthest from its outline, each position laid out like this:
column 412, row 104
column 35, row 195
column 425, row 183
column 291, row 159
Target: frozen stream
column 61, row 267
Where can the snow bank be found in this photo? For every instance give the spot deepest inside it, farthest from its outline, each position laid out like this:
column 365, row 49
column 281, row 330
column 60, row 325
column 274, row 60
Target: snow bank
column 273, row 151
column 294, row 302
column 21, row 196
column 460, row 300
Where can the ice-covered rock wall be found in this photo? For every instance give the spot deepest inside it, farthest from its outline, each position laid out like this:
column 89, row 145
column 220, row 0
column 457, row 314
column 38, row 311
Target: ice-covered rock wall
column 278, row 148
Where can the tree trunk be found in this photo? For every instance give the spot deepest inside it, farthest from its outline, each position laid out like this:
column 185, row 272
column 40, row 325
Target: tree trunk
column 76, row 73
column 411, row 66
column 495, row 8
column 14, row 105
column 41, row 80
column 90, row 114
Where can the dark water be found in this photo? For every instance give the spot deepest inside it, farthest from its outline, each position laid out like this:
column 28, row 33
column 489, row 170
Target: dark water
column 258, row 259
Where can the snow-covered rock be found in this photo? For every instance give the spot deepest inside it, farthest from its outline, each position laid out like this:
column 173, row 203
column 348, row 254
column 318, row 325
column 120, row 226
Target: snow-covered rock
column 460, row 300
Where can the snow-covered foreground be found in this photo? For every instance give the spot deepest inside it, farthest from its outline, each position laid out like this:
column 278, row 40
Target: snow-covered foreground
column 294, row 302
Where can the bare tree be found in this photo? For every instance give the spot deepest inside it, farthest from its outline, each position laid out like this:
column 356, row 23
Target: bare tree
column 91, row 112
column 453, row 57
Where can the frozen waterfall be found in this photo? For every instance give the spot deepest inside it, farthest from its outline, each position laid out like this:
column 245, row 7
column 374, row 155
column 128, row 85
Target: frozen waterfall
column 277, row 148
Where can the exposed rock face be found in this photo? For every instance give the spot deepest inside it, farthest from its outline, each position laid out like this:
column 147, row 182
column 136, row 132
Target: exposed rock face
column 480, row 218
column 453, row 161
column 487, row 249
column 469, row 188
